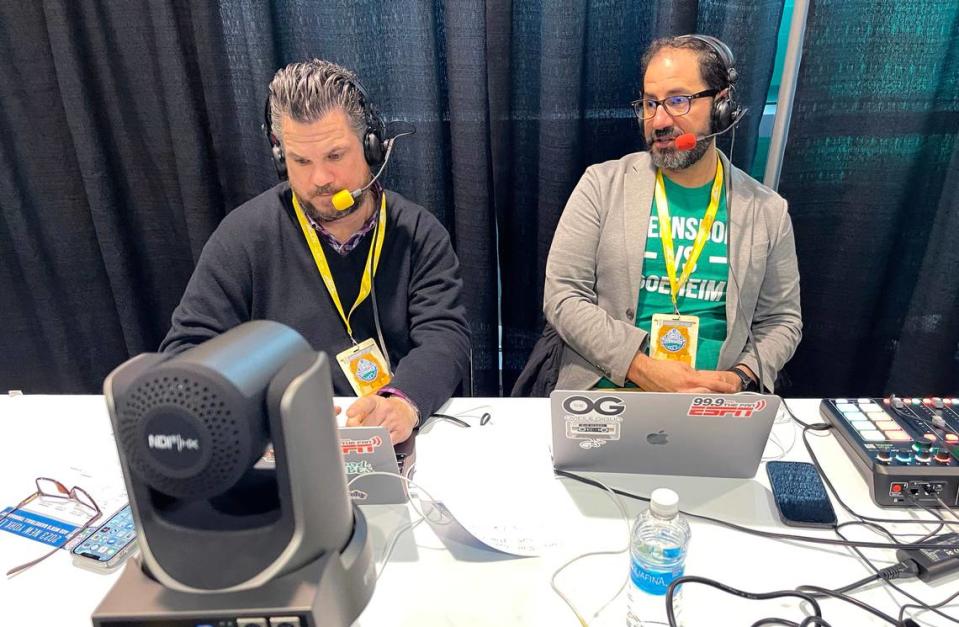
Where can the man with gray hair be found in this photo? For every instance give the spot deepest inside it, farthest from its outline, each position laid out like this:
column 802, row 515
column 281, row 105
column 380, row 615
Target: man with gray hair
column 362, row 273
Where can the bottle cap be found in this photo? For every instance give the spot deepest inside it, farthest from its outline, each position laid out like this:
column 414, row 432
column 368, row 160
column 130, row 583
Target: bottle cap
column 664, row 502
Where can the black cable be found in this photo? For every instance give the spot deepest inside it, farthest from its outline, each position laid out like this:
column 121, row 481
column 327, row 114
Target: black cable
column 948, row 509
column 767, row 534
column 814, row 592
column 918, row 603
column 754, row 596
column 848, row 599
column 823, row 426
column 942, row 521
column 933, row 608
column 484, row 419
column 905, row 568
column 452, row 419
column 872, row 523
column 376, row 311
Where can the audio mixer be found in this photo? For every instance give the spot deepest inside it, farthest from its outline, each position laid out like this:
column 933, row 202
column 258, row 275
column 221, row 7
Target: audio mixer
column 907, row 449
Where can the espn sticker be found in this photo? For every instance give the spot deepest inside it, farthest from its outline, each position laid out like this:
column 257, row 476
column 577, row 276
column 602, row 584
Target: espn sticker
column 718, row 406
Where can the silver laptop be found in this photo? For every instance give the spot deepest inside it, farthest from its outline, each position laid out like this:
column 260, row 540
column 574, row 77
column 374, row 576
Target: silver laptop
column 365, row 450
column 368, row 449
column 651, row 433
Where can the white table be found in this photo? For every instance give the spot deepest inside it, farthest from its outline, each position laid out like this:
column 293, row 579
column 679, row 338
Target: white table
column 433, row 580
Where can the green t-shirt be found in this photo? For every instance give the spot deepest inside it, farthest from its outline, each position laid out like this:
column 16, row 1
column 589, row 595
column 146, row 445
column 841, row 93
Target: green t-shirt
column 704, row 294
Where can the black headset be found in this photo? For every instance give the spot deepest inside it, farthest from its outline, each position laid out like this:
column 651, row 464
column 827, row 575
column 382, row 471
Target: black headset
column 374, row 149
column 725, row 108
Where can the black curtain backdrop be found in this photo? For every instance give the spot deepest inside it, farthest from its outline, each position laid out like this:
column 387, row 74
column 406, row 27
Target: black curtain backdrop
column 108, row 183
column 130, row 128
column 871, row 172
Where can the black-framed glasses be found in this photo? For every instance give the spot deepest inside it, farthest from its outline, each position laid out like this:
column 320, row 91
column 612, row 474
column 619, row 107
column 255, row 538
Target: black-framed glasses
column 52, row 489
column 677, row 105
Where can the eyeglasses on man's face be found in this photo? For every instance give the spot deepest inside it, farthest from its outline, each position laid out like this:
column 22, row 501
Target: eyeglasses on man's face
column 676, row 105
column 52, row 489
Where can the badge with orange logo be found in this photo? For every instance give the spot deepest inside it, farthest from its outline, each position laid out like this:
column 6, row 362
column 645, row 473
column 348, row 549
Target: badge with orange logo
column 675, row 338
column 365, row 367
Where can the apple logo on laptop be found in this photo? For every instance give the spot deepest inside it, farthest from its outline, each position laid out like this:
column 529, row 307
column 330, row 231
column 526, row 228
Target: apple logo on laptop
column 658, row 438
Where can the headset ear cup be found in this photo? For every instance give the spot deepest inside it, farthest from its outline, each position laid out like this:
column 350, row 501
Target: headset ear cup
column 722, row 116
column 279, row 161
column 373, row 148
column 725, row 110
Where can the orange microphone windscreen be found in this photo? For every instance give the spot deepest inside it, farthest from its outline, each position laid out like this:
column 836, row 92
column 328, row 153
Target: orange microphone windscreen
column 686, row 141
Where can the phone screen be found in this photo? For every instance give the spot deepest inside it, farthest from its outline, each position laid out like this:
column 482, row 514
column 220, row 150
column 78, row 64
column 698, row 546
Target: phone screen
column 800, row 494
column 110, row 538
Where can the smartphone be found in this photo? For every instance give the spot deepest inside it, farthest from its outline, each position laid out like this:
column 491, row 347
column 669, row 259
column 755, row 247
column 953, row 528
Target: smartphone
column 109, row 544
column 800, row 495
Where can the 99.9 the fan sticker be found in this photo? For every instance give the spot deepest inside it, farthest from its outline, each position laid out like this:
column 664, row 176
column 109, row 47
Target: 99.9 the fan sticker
column 719, row 406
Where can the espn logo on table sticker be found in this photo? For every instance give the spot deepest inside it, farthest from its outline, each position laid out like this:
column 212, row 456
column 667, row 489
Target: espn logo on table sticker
column 710, row 406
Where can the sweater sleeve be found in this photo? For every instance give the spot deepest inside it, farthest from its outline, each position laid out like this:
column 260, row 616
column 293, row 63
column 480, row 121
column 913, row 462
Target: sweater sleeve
column 430, row 373
column 217, row 298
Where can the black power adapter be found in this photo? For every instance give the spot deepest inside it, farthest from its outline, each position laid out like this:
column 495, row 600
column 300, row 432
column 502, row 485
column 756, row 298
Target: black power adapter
column 934, row 563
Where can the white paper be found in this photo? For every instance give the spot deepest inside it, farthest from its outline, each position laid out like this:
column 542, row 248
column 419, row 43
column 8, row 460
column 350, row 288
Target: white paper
column 505, row 496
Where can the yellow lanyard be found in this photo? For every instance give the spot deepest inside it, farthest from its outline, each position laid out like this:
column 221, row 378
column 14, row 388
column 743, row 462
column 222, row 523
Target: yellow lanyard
column 321, row 264
column 666, row 232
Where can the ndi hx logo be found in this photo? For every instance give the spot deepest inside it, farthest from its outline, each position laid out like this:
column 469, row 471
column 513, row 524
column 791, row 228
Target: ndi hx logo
column 172, row 441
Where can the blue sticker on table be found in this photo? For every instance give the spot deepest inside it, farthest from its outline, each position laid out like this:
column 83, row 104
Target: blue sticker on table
column 26, row 524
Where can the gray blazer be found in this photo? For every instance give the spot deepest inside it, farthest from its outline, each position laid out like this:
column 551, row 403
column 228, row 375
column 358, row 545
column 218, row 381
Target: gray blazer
column 596, row 261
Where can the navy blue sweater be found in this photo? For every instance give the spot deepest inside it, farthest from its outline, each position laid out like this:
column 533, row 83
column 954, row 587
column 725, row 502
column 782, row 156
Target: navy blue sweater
column 257, row 266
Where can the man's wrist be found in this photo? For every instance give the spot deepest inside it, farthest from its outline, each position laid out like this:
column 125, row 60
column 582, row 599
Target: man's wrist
column 638, row 365
column 747, row 383
column 390, row 392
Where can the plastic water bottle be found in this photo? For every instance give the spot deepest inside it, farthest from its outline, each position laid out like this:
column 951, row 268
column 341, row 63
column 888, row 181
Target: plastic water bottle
column 658, row 548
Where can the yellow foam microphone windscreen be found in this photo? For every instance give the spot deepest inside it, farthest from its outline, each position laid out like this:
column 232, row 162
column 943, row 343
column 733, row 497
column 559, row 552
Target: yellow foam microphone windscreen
column 343, row 200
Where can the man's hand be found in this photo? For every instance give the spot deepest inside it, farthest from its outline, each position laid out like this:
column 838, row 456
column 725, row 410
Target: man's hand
column 660, row 375
column 394, row 413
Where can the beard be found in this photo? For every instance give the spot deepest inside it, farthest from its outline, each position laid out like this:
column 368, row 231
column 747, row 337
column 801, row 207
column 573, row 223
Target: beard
column 319, row 205
column 671, row 158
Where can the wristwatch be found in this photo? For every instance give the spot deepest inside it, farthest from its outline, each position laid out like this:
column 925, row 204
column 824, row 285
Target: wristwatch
column 749, row 385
